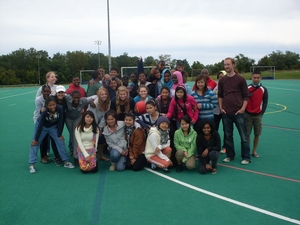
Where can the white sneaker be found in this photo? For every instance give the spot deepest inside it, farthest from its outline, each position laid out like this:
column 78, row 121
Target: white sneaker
column 227, row 160
column 69, row 165
column 245, row 162
column 31, row 169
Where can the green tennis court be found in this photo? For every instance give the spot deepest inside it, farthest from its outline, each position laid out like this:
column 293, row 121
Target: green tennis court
column 264, row 192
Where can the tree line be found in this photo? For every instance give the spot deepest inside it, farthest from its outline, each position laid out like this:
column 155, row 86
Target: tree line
column 30, row 66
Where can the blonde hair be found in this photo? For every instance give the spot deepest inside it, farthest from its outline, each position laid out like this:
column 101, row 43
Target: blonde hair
column 49, row 73
column 126, row 102
column 103, row 105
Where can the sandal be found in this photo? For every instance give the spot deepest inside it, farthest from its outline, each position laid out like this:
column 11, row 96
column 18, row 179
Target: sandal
column 103, row 158
column 255, row 155
column 45, row 161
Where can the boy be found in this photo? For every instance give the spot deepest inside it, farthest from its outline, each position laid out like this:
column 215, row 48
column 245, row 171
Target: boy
column 255, row 109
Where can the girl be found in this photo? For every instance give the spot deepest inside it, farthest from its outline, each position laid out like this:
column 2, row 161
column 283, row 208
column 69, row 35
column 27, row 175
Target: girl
column 163, row 101
column 158, row 150
column 75, row 106
column 149, row 118
column 114, row 133
column 102, row 103
column 183, row 104
column 166, row 78
column 142, row 94
column 50, row 81
column 185, row 144
column 50, row 122
column 177, row 81
column 205, row 98
column 122, row 103
column 87, row 134
column 136, row 142
column 208, row 144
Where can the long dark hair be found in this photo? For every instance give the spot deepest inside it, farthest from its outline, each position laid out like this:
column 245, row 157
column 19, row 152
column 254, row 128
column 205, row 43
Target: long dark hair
column 210, row 123
column 112, row 113
column 201, row 77
column 186, row 119
column 82, row 122
column 180, row 87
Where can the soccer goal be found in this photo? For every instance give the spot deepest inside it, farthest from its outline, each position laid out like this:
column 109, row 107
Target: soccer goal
column 267, row 72
column 85, row 76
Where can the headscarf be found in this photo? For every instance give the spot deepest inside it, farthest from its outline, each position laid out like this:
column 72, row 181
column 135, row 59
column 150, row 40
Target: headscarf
column 179, row 78
column 170, row 82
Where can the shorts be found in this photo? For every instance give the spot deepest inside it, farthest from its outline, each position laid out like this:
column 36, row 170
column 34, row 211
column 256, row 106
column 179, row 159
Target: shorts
column 255, row 122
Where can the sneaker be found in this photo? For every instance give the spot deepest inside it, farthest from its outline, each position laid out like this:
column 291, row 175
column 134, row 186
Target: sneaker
column 153, row 166
column 31, row 169
column 166, row 170
column 58, row 161
column 69, row 165
column 112, row 167
column 223, row 150
column 214, row 171
column 245, row 162
column 179, row 168
column 227, row 160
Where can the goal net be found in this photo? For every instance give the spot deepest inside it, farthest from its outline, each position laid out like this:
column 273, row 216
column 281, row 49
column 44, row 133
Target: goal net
column 267, row 72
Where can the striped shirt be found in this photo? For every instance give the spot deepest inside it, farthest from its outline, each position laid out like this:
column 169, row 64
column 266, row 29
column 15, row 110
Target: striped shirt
column 208, row 102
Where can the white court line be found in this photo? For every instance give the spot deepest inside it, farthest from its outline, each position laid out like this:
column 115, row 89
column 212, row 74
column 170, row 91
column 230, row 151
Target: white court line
column 284, row 89
column 11, row 104
column 18, row 94
column 225, row 198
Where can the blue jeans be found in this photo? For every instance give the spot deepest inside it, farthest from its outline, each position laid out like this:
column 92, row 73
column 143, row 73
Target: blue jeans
column 120, row 160
column 240, row 122
column 52, row 131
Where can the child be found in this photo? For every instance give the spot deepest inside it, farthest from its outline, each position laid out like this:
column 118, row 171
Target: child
column 150, row 117
column 122, row 103
column 166, row 78
column 50, row 122
column 133, row 85
column 163, row 101
column 208, row 144
column 114, row 133
column 142, row 94
column 87, row 134
column 102, row 103
column 94, row 86
column 185, row 144
column 255, row 109
column 206, row 100
column 177, row 80
column 158, row 150
column 183, row 104
column 75, row 85
column 136, row 142
column 112, row 87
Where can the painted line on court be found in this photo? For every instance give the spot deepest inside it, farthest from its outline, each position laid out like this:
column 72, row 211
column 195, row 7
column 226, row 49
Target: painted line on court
column 282, row 128
column 284, row 89
column 11, row 104
column 277, row 111
column 225, row 198
column 260, row 173
column 18, row 95
column 96, row 211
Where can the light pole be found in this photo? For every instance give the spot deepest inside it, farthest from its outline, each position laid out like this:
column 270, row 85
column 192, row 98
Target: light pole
column 38, row 57
column 98, row 43
column 108, row 25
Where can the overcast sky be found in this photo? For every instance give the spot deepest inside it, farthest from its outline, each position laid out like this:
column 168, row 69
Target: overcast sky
column 197, row 30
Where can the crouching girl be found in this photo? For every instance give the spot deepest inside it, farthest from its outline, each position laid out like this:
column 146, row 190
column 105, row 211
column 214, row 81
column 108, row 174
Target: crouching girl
column 50, row 122
column 158, row 150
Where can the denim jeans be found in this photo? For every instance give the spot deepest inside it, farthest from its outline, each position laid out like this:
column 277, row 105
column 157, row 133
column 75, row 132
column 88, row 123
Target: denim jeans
column 240, row 122
column 52, row 131
column 120, row 160
column 212, row 156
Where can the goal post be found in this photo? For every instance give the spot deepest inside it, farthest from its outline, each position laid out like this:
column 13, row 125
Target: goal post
column 267, row 72
column 85, row 76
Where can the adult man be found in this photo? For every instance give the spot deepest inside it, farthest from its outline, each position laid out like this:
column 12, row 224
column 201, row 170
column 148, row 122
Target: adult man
column 233, row 98
column 255, row 109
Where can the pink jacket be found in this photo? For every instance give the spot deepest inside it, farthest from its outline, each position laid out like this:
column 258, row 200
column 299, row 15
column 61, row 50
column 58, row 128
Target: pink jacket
column 191, row 108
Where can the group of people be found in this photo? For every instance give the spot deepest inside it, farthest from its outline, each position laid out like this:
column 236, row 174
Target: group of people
column 155, row 119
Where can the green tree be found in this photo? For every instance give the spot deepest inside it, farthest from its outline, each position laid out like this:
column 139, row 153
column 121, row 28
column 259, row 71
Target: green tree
column 59, row 65
column 150, row 61
column 243, row 63
column 76, row 61
column 8, row 77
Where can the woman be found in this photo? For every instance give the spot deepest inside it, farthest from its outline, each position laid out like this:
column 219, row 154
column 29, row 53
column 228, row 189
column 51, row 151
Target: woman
column 102, row 103
column 122, row 103
column 87, row 134
column 209, row 145
column 114, row 133
column 185, row 144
